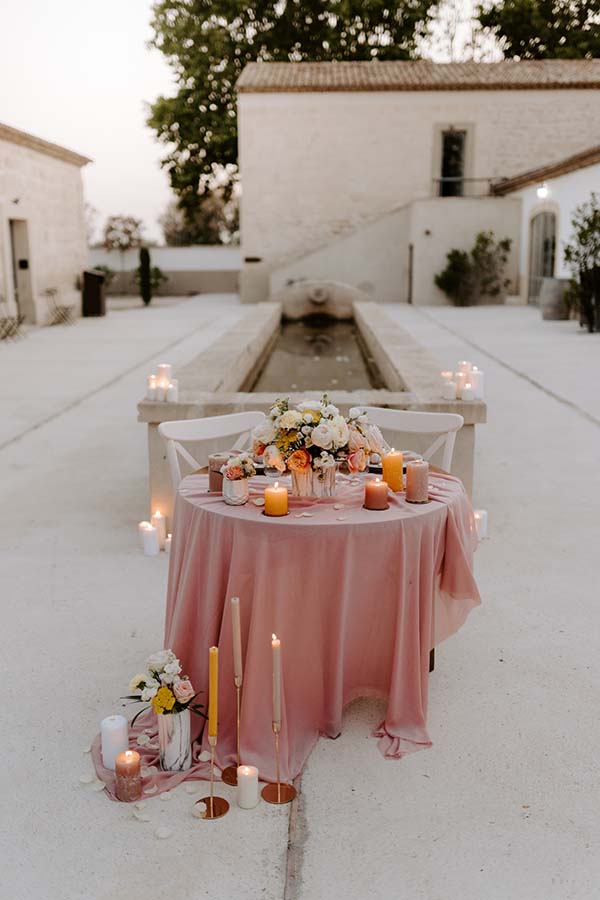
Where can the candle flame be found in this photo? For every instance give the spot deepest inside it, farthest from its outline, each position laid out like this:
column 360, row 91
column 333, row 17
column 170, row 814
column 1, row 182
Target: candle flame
column 129, row 754
column 274, row 637
column 392, row 450
column 377, row 480
column 468, row 384
column 158, row 513
column 276, row 484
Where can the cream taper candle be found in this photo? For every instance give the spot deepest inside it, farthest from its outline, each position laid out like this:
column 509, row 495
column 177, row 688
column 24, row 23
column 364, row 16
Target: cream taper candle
column 237, row 638
column 276, row 648
column 160, row 523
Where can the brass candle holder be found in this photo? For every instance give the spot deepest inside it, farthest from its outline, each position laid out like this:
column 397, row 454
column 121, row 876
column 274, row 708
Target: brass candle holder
column 215, row 806
column 278, row 793
column 229, row 775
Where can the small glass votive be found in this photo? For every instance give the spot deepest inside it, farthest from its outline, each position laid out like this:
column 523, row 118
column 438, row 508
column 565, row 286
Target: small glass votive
column 128, row 776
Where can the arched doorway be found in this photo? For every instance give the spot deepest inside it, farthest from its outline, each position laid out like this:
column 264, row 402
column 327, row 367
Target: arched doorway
column 542, row 248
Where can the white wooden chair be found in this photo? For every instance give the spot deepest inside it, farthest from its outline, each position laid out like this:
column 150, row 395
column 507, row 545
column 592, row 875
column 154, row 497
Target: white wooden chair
column 445, row 425
column 211, row 428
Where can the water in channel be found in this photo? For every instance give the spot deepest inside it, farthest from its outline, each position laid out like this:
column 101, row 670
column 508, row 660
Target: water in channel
column 318, row 354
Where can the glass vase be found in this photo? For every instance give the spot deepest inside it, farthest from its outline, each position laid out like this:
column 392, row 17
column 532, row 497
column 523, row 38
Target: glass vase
column 174, row 741
column 309, row 484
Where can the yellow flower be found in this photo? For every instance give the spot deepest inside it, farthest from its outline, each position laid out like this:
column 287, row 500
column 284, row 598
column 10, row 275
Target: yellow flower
column 164, row 699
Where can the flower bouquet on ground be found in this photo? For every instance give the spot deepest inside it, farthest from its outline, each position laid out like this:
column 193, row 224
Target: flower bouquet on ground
column 309, row 440
column 236, row 473
column 172, row 697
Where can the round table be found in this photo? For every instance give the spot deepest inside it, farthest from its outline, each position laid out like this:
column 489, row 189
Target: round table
column 357, row 597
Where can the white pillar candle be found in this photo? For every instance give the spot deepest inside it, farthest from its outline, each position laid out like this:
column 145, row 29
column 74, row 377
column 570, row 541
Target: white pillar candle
column 449, row 390
column 143, row 526
column 237, row 638
column 481, row 523
column 160, row 523
column 151, row 387
column 276, row 647
column 114, row 732
column 161, row 390
column 247, row 787
column 165, row 371
column 460, row 379
column 168, row 540
column 464, row 366
column 467, row 392
column 150, row 540
column 477, row 383
column 173, row 391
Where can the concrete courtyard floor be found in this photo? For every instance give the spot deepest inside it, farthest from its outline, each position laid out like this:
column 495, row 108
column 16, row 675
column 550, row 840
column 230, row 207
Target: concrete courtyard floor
column 505, row 803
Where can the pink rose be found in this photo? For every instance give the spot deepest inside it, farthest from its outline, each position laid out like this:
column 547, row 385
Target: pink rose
column 183, row 690
column 357, row 461
column 356, row 441
column 234, row 473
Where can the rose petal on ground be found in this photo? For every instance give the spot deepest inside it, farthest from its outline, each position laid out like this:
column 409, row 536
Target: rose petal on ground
column 308, row 515
column 163, row 832
column 166, row 795
column 87, row 749
column 341, row 518
column 142, row 740
column 87, row 779
column 192, row 788
column 140, row 816
column 150, row 790
column 199, row 809
column 204, row 756
column 338, row 505
column 98, row 786
column 259, row 501
column 140, row 805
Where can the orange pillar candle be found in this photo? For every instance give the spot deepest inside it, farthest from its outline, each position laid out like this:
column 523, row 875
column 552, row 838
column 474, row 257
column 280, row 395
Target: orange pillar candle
column 376, row 494
column 392, row 470
column 213, row 690
column 417, row 481
column 276, row 500
column 128, row 777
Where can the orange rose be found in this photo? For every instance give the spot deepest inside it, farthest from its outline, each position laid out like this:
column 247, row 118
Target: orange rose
column 299, row 461
column 258, row 448
column 357, row 461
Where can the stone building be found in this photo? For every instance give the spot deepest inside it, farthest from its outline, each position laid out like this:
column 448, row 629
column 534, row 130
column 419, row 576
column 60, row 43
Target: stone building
column 42, row 226
column 369, row 172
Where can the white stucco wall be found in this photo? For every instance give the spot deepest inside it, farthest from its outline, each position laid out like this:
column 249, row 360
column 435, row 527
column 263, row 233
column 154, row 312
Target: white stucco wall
column 50, row 200
column 316, row 166
column 172, row 259
column 566, row 193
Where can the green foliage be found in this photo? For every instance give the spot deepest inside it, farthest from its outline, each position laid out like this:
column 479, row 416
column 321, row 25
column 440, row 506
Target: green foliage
column 215, row 220
column 122, row 233
column 582, row 255
column 149, row 278
column 471, row 277
column 544, row 29
column 208, row 43
column 108, row 273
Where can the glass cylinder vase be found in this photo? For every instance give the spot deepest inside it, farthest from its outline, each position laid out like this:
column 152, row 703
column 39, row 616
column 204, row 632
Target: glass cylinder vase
column 237, row 492
column 174, row 741
column 311, row 484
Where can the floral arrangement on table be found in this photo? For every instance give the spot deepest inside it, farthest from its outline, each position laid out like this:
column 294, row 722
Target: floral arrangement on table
column 309, row 439
column 163, row 685
column 238, row 467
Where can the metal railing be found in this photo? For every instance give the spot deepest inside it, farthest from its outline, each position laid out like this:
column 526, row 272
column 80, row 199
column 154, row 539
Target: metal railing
column 456, row 186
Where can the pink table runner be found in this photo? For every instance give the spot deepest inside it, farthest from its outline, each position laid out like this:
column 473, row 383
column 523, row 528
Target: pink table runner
column 357, row 597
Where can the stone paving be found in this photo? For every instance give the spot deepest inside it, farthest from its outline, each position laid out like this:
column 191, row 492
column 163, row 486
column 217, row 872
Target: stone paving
column 504, row 805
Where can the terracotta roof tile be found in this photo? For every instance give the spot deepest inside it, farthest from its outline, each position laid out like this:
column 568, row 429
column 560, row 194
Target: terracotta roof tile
column 553, row 170
column 420, row 75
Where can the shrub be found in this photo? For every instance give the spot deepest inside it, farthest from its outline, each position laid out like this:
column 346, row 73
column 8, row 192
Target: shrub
column 108, row 273
column 582, row 255
column 470, row 277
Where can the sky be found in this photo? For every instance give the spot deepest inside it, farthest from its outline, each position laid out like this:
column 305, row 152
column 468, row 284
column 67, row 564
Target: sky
column 79, row 73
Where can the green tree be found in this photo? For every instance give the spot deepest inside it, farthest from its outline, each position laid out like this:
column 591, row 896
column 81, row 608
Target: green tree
column 208, row 43
column 582, row 255
column 214, row 220
column 122, row 233
column 544, row 29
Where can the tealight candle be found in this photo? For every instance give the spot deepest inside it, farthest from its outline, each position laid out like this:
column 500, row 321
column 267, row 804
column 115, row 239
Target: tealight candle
column 467, row 393
column 276, row 648
column 114, row 732
column 173, row 391
column 447, row 376
column 160, row 523
column 417, row 481
column 376, row 494
column 168, row 541
column 247, row 787
column 128, row 776
column 392, row 470
column 449, row 390
column 151, row 387
column 165, row 371
column 464, row 366
column 481, row 523
column 276, row 500
column 213, row 690
column 143, row 526
column 477, row 383
column 150, row 541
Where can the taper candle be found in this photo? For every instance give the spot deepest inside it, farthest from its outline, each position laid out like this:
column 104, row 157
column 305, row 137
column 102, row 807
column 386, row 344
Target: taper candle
column 128, row 778
column 237, row 638
column 392, row 470
column 213, row 690
column 376, row 494
column 247, row 787
column 151, row 387
column 276, row 500
column 160, row 523
column 114, row 732
column 276, row 647
column 165, row 371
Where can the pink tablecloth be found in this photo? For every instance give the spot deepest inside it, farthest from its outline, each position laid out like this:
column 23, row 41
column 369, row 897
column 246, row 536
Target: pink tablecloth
column 357, row 597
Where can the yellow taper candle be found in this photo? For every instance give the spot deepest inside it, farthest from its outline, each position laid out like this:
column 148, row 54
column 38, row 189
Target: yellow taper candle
column 213, row 690
column 392, row 470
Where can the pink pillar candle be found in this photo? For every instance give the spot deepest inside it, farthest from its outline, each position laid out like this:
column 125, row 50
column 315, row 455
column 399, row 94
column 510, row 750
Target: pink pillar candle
column 417, row 481
column 376, row 494
column 128, row 776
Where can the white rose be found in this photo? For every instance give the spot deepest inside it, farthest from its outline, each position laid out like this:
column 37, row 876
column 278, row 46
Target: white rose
column 340, row 431
column 137, row 682
column 322, row 436
column 290, row 420
column 150, row 690
column 331, row 410
column 272, row 457
column 173, row 668
column 159, row 660
column 308, row 417
column 306, row 429
column 376, row 442
column 265, row 432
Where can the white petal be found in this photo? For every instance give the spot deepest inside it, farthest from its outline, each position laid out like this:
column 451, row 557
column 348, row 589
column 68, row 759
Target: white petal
column 141, row 816
column 87, row 749
column 259, row 501
column 150, row 790
column 141, row 805
column 308, row 515
column 98, row 786
column 87, row 779
column 142, row 740
column 166, row 795
column 338, row 505
column 341, row 518
column 204, row 756
column 163, row 832
column 198, row 810
column 192, row 788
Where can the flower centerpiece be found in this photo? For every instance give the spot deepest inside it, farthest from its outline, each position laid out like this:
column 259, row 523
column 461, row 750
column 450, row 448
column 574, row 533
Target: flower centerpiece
column 171, row 696
column 236, row 473
column 309, row 440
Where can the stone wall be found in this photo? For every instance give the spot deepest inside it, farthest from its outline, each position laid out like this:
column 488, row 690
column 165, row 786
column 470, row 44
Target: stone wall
column 317, row 166
column 46, row 193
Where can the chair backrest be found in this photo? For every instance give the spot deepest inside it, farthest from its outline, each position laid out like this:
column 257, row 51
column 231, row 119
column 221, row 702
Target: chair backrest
column 445, row 425
column 238, row 425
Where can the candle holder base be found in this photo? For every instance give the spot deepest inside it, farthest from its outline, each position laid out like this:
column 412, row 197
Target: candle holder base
column 278, row 793
column 379, row 509
column 229, row 776
column 216, row 807
column 278, row 516
column 419, row 501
